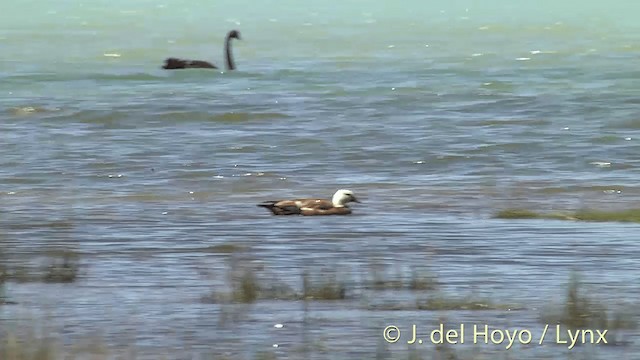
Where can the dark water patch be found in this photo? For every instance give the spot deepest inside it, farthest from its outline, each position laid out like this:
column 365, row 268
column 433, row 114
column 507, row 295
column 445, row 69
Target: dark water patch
column 632, row 124
column 225, row 117
column 515, row 103
column 233, row 117
column 58, row 224
column 506, row 122
column 104, row 119
column 25, row 180
column 605, row 189
column 24, row 111
column 609, row 139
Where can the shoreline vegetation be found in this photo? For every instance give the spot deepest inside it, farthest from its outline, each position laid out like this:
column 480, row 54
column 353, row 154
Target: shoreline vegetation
column 588, row 215
column 247, row 284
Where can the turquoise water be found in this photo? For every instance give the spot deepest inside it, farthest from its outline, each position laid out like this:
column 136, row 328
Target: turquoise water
column 436, row 114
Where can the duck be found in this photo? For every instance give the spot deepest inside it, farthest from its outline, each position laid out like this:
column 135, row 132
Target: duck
column 313, row 206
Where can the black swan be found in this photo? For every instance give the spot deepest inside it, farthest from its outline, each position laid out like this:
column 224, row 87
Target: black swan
column 175, row 63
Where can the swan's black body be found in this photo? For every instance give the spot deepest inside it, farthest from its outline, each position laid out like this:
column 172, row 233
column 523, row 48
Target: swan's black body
column 175, row 63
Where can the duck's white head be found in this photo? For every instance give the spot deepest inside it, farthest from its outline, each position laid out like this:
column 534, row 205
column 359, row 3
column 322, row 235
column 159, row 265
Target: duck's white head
column 342, row 197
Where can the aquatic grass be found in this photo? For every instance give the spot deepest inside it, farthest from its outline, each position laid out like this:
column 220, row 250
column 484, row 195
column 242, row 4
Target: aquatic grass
column 243, row 285
column 246, row 289
column 247, row 284
column 381, row 279
column 19, row 274
column 325, row 286
column 422, row 280
column 529, row 214
column 226, row 248
column 630, row 215
column 517, row 214
column 63, row 267
column 581, row 311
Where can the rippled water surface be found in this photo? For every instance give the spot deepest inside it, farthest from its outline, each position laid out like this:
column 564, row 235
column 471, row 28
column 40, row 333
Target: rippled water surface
column 436, row 115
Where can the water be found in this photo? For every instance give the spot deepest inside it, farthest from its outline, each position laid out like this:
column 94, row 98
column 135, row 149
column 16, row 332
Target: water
column 436, row 115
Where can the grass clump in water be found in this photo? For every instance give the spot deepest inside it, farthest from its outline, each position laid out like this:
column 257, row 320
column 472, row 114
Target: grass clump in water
column 517, row 214
column 246, row 285
column 528, row 214
column 421, row 280
column 324, row 287
column 227, row 248
column 631, row 215
column 582, row 312
column 243, row 284
column 246, row 289
column 62, row 267
column 579, row 310
column 381, row 279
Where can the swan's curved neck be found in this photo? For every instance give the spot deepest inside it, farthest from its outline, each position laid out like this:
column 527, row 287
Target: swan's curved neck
column 228, row 57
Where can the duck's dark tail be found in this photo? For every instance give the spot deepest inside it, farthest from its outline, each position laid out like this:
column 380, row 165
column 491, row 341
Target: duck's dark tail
column 279, row 210
column 268, row 204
